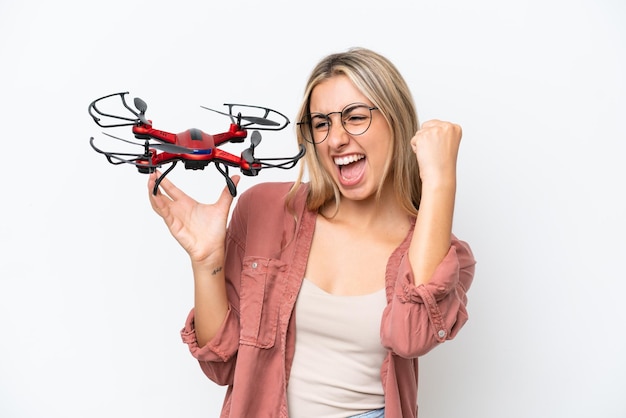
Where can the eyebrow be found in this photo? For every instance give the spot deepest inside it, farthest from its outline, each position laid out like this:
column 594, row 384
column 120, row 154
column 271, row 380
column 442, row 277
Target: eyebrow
column 353, row 104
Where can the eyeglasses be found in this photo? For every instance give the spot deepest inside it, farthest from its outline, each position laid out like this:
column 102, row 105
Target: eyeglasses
column 356, row 119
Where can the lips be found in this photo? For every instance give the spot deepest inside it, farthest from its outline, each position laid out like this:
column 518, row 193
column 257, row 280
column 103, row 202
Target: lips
column 351, row 168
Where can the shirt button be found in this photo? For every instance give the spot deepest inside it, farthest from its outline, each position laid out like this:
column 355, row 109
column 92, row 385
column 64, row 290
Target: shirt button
column 441, row 333
column 254, row 265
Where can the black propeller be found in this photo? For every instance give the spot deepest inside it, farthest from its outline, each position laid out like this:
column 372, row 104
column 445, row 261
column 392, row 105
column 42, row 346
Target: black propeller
column 253, row 119
column 171, row 148
column 142, row 107
column 248, row 153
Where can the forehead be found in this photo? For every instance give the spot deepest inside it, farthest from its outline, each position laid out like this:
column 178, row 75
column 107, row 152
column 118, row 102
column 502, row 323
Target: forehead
column 335, row 93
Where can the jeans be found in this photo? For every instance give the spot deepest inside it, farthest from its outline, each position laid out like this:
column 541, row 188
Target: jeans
column 378, row 413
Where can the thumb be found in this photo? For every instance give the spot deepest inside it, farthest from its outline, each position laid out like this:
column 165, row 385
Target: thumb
column 226, row 198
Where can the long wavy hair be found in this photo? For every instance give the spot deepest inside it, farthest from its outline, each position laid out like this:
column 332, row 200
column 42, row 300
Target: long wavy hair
column 380, row 81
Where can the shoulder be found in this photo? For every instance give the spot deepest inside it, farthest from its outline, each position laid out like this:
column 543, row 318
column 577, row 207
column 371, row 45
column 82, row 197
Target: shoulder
column 267, row 202
column 263, row 219
column 267, row 191
column 271, row 195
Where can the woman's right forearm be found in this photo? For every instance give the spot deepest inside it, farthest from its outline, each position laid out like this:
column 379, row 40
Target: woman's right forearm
column 211, row 303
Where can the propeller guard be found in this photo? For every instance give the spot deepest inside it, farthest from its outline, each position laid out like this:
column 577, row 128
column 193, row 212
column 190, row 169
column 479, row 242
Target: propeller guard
column 98, row 115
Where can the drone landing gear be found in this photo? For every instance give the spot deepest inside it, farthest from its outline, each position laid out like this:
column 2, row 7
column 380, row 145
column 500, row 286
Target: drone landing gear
column 223, row 170
column 162, row 176
column 229, row 182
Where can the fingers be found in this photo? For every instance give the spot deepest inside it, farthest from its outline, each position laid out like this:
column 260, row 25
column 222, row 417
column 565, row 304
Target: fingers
column 430, row 123
column 439, row 131
column 167, row 193
column 436, row 147
column 444, row 127
column 164, row 194
column 169, row 188
column 156, row 200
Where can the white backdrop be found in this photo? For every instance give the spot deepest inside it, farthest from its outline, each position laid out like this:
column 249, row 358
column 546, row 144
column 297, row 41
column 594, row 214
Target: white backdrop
column 93, row 290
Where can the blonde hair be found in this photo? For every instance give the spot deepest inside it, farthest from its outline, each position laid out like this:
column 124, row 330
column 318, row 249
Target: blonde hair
column 380, row 81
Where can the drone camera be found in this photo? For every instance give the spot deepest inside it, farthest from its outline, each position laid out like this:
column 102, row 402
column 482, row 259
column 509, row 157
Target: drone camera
column 195, row 164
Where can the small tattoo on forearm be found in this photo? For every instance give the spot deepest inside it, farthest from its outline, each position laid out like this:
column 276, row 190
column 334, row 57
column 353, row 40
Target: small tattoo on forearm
column 217, row 270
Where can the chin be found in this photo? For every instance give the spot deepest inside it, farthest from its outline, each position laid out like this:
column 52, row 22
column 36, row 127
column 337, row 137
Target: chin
column 358, row 193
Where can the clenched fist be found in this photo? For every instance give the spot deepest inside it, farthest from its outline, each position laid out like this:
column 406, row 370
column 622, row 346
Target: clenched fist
column 436, row 146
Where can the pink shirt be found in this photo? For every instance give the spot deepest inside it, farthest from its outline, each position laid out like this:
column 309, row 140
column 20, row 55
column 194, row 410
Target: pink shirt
column 266, row 256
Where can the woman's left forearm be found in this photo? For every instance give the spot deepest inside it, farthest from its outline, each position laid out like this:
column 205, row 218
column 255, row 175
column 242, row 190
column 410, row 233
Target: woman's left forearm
column 433, row 229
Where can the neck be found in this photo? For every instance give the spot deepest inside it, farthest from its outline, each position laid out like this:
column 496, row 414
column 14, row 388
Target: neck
column 368, row 214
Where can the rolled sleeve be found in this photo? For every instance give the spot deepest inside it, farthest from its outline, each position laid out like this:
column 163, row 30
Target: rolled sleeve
column 418, row 318
column 221, row 347
column 217, row 357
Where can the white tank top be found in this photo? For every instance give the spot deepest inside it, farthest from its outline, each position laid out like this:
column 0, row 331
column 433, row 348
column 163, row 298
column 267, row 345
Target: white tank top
column 338, row 354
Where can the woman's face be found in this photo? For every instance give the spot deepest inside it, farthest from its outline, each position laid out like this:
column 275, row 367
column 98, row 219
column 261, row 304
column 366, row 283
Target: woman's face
column 355, row 162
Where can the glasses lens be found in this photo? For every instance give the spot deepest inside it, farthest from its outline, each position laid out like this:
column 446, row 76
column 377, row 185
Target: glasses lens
column 314, row 127
column 356, row 118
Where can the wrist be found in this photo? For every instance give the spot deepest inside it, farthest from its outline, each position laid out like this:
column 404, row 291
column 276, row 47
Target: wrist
column 213, row 265
column 438, row 185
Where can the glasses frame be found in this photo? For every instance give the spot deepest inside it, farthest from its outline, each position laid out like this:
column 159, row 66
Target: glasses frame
column 309, row 130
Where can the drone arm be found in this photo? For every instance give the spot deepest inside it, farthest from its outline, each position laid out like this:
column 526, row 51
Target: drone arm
column 227, row 158
column 234, row 134
column 146, row 131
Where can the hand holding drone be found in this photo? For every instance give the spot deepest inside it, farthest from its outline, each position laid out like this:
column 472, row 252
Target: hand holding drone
column 194, row 147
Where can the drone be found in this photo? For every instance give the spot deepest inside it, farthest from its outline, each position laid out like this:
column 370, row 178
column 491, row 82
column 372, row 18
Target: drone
column 195, row 148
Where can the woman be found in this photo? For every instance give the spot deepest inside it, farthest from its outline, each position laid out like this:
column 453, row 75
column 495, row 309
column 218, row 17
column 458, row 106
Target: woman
column 320, row 296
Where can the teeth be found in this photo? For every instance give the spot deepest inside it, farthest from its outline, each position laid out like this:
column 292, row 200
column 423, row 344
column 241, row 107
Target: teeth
column 348, row 159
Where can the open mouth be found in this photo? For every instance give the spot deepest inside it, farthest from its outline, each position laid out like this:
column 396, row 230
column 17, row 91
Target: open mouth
column 351, row 167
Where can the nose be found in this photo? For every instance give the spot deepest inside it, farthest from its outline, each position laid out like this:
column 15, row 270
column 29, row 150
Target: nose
column 337, row 135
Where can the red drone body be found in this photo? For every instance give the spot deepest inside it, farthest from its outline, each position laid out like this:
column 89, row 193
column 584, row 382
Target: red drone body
column 200, row 147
